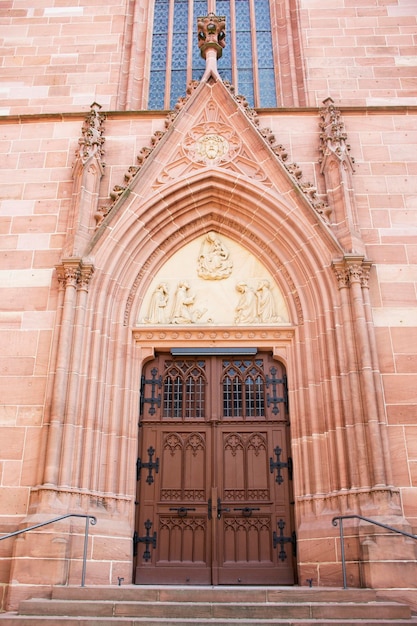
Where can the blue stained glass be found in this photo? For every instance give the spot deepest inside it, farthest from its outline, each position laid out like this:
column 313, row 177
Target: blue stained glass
column 157, row 90
column 160, row 20
column 267, row 88
column 199, row 64
column 264, row 45
column 159, row 55
column 244, row 50
column 226, row 75
column 200, row 8
column 266, row 75
column 262, row 15
column 159, row 52
column 225, row 62
column 178, row 86
column 197, row 74
column 242, row 15
column 179, row 51
column 246, row 85
column 181, row 16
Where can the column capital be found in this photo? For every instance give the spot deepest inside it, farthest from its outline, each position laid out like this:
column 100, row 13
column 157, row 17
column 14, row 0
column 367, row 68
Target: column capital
column 74, row 272
column 352, row 269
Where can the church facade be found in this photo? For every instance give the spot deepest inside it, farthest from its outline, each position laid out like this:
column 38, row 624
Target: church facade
column 208, row 293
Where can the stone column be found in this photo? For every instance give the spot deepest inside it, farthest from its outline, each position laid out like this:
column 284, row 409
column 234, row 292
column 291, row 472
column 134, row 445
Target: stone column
column 352, row 401
column 68, row 273
column 73, row 424
column 358, row 270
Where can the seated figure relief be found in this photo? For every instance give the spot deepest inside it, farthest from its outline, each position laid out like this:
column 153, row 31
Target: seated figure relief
column 213, row 261
column 183, row 311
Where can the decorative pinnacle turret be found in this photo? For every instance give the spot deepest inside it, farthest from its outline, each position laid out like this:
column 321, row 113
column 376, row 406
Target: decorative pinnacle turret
column 211, row 34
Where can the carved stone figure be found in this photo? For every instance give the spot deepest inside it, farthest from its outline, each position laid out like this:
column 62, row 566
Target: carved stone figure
column 246, row 309
column 265, row 303
column 213, row 261
column 212, row 147
column 157, row 306
column 183, row 311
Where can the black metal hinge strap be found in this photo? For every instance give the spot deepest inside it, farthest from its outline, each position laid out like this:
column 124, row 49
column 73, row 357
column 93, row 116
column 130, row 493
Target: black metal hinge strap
column 278, row 465
column 282, row 540
column 148, row 540
column 247, row 510
column 274, row 399
column 150, row 465
column 155, row 382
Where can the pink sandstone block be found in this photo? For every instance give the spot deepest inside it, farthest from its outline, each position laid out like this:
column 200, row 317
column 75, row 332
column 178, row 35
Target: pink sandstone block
column 14, row 500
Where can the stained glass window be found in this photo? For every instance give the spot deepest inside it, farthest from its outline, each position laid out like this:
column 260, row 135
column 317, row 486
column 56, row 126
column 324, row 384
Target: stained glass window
column 247, row 60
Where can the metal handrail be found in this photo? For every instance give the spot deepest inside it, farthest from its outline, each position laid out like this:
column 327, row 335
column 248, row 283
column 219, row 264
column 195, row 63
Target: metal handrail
column 370, row 521
column 88, row 518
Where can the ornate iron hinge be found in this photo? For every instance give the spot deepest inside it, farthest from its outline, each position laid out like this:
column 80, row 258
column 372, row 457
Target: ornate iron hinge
column 150, row 465
column 278, row 465
column 274, row 398
column 147, row 540
column 154, row 400
column 282, row 540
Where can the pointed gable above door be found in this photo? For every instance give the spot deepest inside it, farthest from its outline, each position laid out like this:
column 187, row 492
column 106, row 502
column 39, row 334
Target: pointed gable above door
column 213, row 130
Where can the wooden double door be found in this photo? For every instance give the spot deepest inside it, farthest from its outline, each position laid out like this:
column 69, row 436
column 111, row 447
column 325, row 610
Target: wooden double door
column 213, row 473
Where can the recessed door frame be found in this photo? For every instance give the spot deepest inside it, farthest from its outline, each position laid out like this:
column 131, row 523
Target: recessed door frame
column 278, row 341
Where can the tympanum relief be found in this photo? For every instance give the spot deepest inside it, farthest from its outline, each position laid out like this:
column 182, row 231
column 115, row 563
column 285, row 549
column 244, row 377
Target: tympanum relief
column 213, row 280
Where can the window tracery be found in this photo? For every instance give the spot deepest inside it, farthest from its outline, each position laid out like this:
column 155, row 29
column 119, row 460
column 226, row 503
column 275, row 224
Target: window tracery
column 247, row 60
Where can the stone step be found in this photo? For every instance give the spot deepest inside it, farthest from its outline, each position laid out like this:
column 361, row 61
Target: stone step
column 169, row 593
column 133, row 605
column 19, row 620
column 214, row 610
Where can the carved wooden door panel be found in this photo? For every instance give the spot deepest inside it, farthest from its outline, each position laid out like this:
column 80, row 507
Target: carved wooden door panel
column 213, row 473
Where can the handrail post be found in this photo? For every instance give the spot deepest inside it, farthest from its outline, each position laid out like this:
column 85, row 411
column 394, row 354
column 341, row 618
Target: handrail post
column 340, row 519
column 88, row 519
column 342, row 553
column 87, row 522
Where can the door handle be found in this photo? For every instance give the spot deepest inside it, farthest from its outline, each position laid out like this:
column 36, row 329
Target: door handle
column 220, row 509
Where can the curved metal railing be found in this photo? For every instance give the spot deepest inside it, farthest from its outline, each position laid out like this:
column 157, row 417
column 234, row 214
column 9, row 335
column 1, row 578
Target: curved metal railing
column 88, row 519
column 340, row 519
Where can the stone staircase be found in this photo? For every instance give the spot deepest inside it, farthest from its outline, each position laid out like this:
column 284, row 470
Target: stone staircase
column 132, row 605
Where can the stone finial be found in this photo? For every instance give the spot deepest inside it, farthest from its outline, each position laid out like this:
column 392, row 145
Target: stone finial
column 211, row 34
column 333, row 136
column 91, row 142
